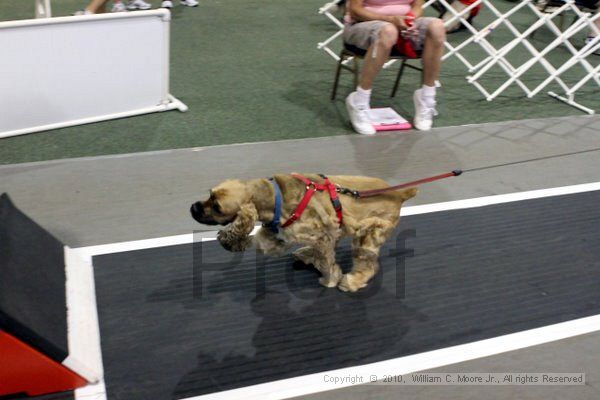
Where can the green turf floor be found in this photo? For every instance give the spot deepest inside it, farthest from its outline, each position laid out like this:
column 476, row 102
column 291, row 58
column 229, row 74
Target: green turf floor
column 250, row 70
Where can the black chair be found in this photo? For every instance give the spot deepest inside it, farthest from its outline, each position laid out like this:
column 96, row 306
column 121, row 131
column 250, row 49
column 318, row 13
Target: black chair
column 350, row 51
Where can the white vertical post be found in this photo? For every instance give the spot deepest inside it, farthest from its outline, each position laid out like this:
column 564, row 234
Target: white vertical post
column 43, row 9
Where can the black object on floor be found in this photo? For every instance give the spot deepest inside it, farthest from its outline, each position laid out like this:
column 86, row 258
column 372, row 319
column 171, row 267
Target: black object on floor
column 32, row 283
column 54, row 396
column 187, row 320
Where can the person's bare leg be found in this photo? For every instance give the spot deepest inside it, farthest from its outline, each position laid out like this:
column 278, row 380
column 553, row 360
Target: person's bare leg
column 433, row 49
column 388, row 36
column 97, row 6
column 594, row 32
column 431, row 59
column 358, row 102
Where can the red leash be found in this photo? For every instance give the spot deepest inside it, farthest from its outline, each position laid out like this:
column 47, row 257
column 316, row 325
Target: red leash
column 375, row 192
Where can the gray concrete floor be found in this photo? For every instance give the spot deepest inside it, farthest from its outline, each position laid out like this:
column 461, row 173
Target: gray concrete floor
column 110, row 199
column 118, row 198
column 578, row 354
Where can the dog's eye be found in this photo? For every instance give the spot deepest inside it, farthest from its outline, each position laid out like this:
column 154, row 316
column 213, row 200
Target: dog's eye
column 216, row 207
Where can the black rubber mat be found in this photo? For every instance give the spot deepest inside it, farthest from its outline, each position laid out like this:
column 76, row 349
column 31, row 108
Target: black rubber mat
column 178, row 322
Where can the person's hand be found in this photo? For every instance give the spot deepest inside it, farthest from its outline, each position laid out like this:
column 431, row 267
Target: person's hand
column 410, row 32
column 401, row 21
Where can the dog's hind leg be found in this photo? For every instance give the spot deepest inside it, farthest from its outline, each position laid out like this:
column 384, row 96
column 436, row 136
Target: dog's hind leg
column 365, row 253
column 323, row 258
column 305, row 255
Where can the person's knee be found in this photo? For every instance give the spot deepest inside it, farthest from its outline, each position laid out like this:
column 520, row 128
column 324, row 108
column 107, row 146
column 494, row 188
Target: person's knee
column 436, row 32
column 388, row 35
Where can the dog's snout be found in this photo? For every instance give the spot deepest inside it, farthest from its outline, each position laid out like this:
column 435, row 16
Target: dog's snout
column 197, row 210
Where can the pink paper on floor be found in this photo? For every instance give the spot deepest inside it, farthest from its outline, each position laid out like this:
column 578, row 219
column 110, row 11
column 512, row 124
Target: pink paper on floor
column 393, row 127
column 387, row 119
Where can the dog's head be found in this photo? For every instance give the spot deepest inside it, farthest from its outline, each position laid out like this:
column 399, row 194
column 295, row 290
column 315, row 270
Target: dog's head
column 229, row 203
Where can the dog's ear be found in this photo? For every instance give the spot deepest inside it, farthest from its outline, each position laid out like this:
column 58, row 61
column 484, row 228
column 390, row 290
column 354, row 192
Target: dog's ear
column 408, row 193
column 236, row 236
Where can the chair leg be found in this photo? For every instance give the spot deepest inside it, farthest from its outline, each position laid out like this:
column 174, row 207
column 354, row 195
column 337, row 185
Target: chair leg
column 398, row 78
column 356, row 71
column 337, row 77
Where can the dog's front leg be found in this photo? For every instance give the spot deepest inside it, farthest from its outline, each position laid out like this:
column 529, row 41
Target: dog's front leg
column 267, row 243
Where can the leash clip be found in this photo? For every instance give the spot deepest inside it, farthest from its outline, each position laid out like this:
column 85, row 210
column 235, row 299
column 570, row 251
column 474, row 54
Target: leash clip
column 343, row 190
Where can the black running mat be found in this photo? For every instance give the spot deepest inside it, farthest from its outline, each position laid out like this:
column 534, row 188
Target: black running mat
column 179, row 321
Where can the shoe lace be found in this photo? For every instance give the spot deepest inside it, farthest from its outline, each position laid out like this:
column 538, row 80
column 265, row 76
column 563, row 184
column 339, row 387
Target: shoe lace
column 427, row 111
column 363, row 113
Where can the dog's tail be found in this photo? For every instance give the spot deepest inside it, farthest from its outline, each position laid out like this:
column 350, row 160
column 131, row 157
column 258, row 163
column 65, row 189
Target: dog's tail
column 408, row 193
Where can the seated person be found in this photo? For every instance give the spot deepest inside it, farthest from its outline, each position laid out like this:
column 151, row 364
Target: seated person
column 379, row 25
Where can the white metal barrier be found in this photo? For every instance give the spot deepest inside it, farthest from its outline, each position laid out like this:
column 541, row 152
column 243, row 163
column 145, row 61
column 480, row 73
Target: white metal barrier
column 584, row 21
column 59, row 72
column 478, row 72
column 327, row 10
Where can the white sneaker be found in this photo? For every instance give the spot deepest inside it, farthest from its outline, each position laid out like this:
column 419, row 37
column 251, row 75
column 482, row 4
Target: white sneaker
column 166, row 4
column 423, row 114
column 189, row 3
column 118, row 7
column 138, row 5
column 83, row 12
column 359, row 117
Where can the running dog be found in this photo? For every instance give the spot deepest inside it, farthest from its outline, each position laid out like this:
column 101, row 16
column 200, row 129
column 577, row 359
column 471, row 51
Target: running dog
column 332, row 212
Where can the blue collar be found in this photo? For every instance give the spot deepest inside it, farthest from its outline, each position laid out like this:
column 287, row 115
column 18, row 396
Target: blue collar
column 274, row 224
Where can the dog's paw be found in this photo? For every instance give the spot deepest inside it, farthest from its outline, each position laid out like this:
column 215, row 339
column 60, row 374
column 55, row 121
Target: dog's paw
column 232, row 242
column 328, row 283
column 350, row 283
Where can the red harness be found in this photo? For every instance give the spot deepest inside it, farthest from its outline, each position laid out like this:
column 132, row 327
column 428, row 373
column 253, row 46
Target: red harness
column 311, row 188
column 333, row 189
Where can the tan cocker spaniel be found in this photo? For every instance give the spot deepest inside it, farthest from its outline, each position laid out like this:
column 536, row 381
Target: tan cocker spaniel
column 368, row 221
